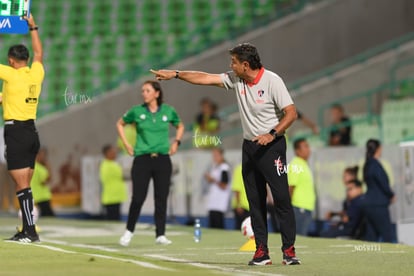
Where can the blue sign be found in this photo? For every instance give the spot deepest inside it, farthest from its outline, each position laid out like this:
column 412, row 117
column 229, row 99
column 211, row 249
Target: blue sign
column 11, row 13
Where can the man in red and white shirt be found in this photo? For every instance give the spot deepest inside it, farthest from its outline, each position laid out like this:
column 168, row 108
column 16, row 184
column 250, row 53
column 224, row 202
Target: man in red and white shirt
column 266, row 111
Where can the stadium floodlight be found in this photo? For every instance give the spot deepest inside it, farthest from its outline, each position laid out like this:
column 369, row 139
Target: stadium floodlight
column 11, row 16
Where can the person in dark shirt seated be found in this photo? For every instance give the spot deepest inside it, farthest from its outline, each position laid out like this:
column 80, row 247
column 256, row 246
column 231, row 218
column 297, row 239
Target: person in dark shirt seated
column 340, row 134
column 350, row 224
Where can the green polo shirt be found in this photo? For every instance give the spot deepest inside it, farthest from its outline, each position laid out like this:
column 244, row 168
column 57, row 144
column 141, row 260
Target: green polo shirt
column 152, row 128
column 300, row 176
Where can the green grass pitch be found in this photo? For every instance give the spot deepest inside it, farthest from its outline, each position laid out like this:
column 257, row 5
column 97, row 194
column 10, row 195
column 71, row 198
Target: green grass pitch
column 74, row 247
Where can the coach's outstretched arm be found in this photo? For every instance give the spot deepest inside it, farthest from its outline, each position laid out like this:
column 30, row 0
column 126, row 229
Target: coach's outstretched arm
column 36, row 43
column 194, row 77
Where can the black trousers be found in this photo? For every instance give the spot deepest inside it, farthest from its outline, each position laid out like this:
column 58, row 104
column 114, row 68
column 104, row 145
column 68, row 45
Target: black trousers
column 216, row 219
column 113, row 211
column 379, row 223
column 143, row 169
column 261, row 165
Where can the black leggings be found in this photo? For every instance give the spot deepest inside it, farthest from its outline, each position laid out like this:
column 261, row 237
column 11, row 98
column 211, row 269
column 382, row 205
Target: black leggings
column 144, row 168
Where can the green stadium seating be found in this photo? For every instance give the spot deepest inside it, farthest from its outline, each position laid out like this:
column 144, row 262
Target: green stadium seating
column 89, row 43
column 397, row 117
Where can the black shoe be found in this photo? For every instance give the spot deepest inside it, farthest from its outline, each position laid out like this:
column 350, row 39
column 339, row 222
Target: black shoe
column 261, row 257
column 289, row 257
column 24, row 237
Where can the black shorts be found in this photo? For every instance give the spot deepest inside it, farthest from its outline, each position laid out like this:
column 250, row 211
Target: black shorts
column 22, row 144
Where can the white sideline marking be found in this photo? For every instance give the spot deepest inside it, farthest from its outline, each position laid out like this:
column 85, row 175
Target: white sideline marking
column 207, row 266
column 54, row 248
column 80, row 245
column 343, row 245
column 139, row 263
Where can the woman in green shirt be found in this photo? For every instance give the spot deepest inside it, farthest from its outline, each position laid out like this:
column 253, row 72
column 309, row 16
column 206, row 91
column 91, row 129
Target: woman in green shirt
column 151, row 153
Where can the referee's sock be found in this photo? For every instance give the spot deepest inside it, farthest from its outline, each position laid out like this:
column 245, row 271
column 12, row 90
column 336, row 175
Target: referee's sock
column 26, row 206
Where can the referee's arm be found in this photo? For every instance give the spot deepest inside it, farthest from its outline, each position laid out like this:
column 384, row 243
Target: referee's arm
column 194, row 77
column 36, row 43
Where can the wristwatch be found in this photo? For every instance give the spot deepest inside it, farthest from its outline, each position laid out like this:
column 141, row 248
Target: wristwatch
column 273, row 133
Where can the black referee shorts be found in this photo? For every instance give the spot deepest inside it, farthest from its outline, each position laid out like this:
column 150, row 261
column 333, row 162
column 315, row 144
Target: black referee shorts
column 22, row 144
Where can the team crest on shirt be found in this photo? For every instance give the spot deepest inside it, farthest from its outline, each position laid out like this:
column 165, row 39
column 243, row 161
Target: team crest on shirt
column 260, row 93
column 142, row 116
column 164, row 118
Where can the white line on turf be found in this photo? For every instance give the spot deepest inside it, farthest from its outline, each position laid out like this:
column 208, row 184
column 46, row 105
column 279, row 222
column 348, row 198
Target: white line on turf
column 342, row 245
column 80, row 245
column 139, row 263
column 208, row 266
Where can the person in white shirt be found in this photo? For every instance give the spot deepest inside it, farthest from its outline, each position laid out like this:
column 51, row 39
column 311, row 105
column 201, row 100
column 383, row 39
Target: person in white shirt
column 266, row 111
column 219, row 192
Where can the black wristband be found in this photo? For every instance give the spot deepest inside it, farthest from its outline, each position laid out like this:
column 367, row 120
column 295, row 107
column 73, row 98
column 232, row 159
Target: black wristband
column 176, row 74
column 273, row 133
column 35, row 28
column 178, row 142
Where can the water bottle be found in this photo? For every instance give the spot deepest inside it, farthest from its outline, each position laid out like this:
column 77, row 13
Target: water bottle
column 197, row 230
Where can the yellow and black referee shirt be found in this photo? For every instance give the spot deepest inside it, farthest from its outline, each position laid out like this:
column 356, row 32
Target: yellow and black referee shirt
column 21, row 91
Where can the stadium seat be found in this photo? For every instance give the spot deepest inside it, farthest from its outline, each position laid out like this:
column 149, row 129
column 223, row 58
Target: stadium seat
column 131, row 32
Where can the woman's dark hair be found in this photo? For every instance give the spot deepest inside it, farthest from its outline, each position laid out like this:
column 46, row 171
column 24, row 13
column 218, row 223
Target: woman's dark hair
column 157, row 87
column 356, row 182
column 352, row 170
column 371, row 148
column 19, row 52
column 247, row 52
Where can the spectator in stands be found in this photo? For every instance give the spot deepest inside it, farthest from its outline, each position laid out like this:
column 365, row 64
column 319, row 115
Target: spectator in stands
column 206, row 125
column 378, row 196
column 239, row 204
column 307, row 122
column 113, row 185
column 40, row 184
column 350, row 224
column 340, row 134
column 301, row 186
column 219, row 193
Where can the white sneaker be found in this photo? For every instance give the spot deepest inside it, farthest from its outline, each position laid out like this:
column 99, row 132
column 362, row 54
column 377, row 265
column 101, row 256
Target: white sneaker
column 162, row 240
column 126, row 238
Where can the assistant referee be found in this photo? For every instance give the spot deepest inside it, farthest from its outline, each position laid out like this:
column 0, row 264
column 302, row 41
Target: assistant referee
column 21, row 90
column 151, row 156
column 266, row 111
